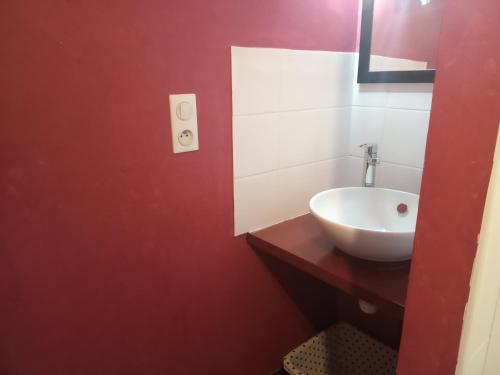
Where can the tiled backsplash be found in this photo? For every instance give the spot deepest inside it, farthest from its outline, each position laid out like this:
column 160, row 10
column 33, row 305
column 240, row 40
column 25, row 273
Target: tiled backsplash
column 298, row 119
column 276, row 80
column 396, row 116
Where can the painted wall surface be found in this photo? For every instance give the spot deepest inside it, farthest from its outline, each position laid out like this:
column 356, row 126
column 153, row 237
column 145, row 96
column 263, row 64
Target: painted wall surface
column 406, row 29
column 117, row 256
column 462, row 133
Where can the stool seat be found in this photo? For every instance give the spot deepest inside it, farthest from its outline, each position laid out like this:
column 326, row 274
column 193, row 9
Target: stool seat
column 341, row 350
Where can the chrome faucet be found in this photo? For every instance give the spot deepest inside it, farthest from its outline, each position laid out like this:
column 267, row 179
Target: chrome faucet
column 370, row 161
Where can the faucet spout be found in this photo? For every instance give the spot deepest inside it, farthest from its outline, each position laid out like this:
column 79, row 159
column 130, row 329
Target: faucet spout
column 370, row 162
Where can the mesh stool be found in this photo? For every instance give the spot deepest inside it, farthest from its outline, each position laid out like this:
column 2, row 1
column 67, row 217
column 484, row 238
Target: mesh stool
column 341, row 350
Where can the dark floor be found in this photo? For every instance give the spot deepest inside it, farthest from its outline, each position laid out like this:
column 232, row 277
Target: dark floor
column 280, row 372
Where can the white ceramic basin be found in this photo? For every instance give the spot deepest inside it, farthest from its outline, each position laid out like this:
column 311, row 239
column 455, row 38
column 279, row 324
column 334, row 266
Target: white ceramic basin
column 366, row 223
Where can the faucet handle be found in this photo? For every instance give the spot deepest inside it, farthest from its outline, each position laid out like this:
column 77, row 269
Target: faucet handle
column 370, row 148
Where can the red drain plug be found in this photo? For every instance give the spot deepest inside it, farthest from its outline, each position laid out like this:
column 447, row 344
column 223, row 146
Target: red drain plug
column 402, row 208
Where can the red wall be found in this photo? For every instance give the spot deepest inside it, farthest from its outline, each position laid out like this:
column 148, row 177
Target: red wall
column 462, row 134
column 407, row 30
column 117, row 256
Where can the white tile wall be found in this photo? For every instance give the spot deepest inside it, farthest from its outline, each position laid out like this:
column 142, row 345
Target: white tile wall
column 400, row 134
column 275, row 80
column 369, row 95
column 291, row 116
column 366, row 127
column 269, row 198
column 410, row 96
column 404, row 136
column 396, row 116
column 399, row 177
column 270, row 141
column 298, row 184
column 298, row 119
column 255, row 204
column 256, row 73
column 315, row 79
column 255, row 143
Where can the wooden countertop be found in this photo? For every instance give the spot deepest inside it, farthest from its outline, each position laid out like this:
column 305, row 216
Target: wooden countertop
column 300, row 243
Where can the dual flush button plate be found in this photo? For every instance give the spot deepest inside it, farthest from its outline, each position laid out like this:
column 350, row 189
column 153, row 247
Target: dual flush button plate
column 184, row 122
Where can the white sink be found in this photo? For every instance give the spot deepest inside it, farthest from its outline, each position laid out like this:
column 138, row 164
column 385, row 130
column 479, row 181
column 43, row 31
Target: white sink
column 366, row 223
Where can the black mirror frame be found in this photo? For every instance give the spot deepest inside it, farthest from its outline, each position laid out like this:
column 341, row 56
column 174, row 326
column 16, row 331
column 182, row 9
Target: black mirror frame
column 364, row 74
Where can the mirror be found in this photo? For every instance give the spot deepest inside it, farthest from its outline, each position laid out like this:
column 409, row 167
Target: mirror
column 399, row 40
